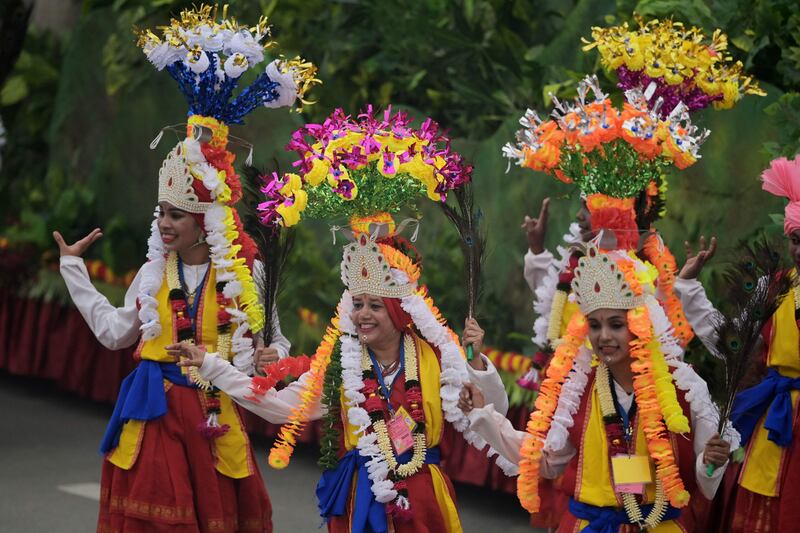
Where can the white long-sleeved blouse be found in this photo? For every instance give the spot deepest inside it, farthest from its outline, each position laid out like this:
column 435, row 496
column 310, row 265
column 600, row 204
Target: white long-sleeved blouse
column 497, row 430
column 276, row 406
column 118, row 327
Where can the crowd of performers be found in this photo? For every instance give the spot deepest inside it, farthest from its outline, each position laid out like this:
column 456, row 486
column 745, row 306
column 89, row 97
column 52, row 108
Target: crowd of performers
column 623, row 435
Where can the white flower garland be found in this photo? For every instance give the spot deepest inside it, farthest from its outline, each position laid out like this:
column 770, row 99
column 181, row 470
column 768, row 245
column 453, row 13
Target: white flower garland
column 219, row 251
column 568, row 401
column 152, row 278
column 352, row 383
column 545, row 293
column 453, row 374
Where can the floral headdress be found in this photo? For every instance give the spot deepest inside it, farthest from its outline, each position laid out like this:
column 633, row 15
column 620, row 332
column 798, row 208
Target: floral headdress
column 617, row 159
column 207, row 58
column 678, row 65
column 616, row 280
column 782, row 178
column 357, row 167
column 364, row 169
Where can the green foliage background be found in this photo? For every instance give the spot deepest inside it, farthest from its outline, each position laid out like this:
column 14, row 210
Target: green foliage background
column 82, row 107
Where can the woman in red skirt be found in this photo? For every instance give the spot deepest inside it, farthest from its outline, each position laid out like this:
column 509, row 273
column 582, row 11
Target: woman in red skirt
column 177, row 457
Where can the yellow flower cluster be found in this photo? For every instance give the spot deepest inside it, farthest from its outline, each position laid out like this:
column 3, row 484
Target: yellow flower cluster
column 679, row 55
column 281, row 452
column 388, row 158
column 248, row 300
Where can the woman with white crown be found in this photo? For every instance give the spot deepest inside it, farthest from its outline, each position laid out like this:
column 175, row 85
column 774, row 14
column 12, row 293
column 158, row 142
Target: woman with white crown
column 177, row 457
column 633, row 434
column 386, row 379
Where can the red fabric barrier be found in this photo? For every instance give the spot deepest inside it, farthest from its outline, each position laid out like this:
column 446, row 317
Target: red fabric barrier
column 46, row 340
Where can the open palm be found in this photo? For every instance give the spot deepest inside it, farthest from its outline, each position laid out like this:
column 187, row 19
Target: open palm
column 79, row 247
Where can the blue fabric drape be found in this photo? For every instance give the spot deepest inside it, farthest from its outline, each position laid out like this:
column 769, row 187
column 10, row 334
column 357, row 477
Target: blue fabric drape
column 141, row 397
column 333, row 489
column 609, row 519
column 773, row 396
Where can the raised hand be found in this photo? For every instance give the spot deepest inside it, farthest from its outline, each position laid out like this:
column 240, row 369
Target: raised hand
column 79, row 247
column 536, row 228
column 695, row 261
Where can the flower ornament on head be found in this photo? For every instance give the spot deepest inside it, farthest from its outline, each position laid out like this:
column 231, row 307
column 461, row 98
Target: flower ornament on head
column 678, row 65
column 364, row 165
column 207, row 58
column 782, row 178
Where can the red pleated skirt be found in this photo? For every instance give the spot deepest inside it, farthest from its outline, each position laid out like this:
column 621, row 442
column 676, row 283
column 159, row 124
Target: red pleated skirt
column 174, row 487
column 427, row 516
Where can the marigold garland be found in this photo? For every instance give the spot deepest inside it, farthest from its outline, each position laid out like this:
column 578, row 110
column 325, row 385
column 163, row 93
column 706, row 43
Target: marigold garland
column 541, row 418
column 650, row 413
column 281, row 452
column 661, row 257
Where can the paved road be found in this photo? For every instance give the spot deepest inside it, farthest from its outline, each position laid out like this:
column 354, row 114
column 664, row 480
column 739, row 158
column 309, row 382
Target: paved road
column 50, row 470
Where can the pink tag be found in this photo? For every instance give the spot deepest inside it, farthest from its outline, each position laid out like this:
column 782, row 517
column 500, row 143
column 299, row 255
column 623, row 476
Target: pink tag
column 400, row 435
column 630, row 488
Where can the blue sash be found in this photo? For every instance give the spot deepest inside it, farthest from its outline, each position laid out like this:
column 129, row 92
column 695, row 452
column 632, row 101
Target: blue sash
column 609, row 519
column 141, row 397
column 773, row 396
column 333, row 489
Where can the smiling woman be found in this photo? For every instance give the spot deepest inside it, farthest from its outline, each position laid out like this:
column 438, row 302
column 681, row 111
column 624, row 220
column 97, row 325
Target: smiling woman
column 171, row 429
column 606, row 428
column 386, row 380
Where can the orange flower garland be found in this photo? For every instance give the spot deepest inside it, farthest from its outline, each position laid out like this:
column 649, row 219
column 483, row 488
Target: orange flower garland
column 650, row 413
column 281, row 452
column 542, row 416
column 660, row 256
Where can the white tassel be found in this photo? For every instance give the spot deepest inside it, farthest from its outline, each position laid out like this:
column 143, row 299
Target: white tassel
column 249, row 161
column 154, row 142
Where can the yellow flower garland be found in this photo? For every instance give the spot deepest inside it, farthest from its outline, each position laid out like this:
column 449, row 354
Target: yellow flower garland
column 556, row 315
column 650, row 411
column 281, row 452
column 248, row 300
column 223, row 341
column 379, row 427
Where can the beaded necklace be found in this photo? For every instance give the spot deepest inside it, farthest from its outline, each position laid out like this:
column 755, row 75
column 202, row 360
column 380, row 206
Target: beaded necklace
column 617, row 444
column 374, row 405
column 185, row 322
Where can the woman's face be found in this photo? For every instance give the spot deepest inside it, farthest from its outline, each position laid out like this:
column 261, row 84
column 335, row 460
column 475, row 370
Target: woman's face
column 584, row 219
column 794, row 247
column 179, row 230
column 609, row 335
column 373, row 324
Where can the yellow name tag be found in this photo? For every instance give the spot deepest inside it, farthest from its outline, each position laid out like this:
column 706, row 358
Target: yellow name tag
column 631, row 469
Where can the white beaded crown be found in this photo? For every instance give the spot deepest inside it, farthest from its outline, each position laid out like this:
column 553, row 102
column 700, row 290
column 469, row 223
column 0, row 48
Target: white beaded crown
column 366, row 271
column 600, row 284
column 175, row 183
